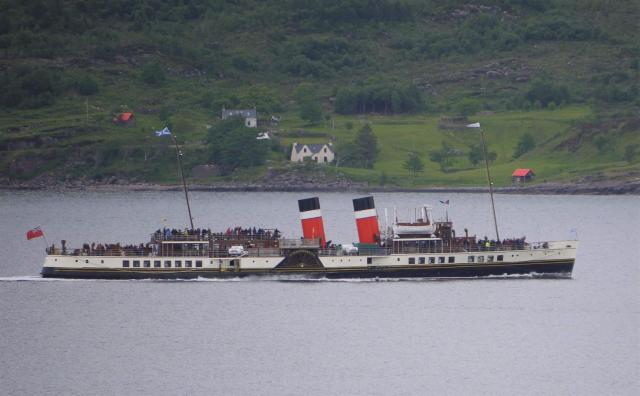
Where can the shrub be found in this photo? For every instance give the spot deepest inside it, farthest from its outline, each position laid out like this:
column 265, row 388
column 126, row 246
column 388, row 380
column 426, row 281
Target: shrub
column 546, row 92
column 525, row 144
column 467, row 106
column 387, row 98
column 153, row 74
column 631, row 152
column 603, row 144
column 85, row 85
column 27, row 87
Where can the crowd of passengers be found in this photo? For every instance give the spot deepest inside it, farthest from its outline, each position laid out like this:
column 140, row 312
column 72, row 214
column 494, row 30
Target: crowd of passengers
column 492, row 244
column 102, row 249
column 167, row 233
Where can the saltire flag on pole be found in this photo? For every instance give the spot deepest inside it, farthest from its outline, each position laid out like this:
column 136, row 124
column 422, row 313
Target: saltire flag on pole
column 34, row 233
column 474, row 125
column 165, row 131
column 445, row 202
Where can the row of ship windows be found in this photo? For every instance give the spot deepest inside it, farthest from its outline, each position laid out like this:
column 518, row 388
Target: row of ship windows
column 158, row 263
column 452, row 259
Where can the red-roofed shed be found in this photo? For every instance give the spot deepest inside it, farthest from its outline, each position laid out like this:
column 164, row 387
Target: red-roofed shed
column 522, row 175
column 126, row 118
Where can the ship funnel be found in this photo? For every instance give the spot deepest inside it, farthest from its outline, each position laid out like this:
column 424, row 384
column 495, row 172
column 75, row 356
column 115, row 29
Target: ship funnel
column 367, row 220
column 311, row 219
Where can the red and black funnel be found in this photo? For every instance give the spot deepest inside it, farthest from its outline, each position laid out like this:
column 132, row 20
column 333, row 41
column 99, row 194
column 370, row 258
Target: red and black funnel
column 367, row 220
column 311, row 219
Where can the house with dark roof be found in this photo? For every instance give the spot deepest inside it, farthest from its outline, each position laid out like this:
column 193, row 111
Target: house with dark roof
column 250, row 116
column 320, row 153
column 522, row 175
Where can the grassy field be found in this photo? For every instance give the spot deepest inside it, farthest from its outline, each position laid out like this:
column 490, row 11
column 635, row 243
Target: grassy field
column 100, row 148
column 399, row 135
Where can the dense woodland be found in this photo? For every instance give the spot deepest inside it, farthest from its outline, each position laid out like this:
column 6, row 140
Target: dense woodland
column 351, row 57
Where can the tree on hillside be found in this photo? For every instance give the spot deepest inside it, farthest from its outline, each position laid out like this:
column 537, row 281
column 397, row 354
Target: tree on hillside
column 603, row 144
column 413, row 164
column 310, row 109
column 443, row 157
column 153, row 74
column 367, row 146
column 546, row 92
column 525, row 144
column 233, row 145
column 476, row 155
column 630, row 152
column 311, row 112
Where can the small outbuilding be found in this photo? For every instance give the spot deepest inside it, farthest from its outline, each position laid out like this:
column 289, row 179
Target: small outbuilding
column 126, row 118
column 250, row 116
column 522, row 176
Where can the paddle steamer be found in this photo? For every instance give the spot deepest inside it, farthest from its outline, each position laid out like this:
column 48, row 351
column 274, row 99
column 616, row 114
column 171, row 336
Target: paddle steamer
column 405, row 250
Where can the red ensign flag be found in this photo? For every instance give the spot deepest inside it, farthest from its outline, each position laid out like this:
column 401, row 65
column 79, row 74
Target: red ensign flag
column 35, row 233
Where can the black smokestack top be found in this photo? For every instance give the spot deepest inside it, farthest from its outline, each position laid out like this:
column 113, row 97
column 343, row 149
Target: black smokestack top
column 308, row 204
column 363, row 204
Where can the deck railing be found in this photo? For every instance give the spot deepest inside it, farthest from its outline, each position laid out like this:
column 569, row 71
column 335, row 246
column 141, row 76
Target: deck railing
column 299, row 243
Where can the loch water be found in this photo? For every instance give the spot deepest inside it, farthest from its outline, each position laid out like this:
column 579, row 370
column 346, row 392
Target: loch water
column 500, row 336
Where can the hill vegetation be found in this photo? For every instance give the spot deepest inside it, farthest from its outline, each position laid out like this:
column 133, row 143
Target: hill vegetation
column 554, row 83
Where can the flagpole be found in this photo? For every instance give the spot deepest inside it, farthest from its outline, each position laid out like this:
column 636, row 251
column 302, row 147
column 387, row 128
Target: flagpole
column 486, row 163
column 184, row 183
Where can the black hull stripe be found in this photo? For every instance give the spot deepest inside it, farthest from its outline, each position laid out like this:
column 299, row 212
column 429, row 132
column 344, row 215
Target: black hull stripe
column 562, row 268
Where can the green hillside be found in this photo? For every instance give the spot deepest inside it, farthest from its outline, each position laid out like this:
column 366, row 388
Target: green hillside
column 564, row 72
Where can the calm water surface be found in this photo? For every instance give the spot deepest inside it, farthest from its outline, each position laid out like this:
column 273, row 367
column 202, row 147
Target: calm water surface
column 495, row 336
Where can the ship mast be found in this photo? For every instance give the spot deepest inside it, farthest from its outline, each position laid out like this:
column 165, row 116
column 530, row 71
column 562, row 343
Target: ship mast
column 489, row 181
column 184, row 183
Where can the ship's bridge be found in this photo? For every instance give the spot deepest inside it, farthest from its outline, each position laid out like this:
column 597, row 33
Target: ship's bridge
column 417, row 245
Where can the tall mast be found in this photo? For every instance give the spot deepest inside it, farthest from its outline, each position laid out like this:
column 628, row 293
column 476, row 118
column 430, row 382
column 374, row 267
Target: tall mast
column 184, row 183
column 486, row 163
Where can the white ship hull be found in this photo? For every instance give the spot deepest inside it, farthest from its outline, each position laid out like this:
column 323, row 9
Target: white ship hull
column 556, row 259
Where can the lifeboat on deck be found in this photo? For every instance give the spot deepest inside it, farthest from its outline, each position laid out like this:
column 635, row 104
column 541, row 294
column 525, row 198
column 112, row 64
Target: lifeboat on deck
column 422, row 226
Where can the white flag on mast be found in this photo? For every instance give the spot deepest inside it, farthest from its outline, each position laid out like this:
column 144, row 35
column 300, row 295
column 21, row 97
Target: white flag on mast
column 163, row 132
column 474, row 125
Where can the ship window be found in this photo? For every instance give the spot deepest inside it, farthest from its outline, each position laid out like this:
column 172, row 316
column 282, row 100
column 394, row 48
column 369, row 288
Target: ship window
column 156, row 263
column 369, row 260
column 441, row 260
column 500, row 257
column 432, row 260
column 167, row 263
column 398, row 258
column 187, row 263
column 101, row 261
column 198, row 263
column 412, row 260
column 86, row 261
column 489, row 259
column 481, row 259
column 421, row 260
column 125, row 263
column 178, row 264
column 452, row 259
column 147, row 263
column 136, row 263
column 471, row 259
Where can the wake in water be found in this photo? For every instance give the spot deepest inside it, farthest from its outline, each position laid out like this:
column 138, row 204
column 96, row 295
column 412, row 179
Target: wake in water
column 284, row 278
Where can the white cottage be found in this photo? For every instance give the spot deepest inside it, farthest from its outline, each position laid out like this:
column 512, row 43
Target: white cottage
column 250, row 116
column 321, row 153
